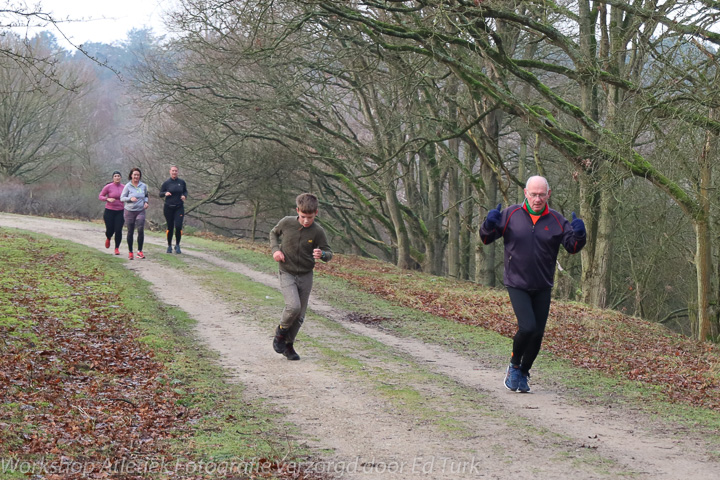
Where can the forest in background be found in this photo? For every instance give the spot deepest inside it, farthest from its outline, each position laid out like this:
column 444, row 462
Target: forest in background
column 409, row 120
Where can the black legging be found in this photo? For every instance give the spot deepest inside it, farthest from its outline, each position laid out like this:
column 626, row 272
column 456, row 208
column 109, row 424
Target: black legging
column 114, row 221
column 133, row 219
column 531, row 309
column 174, row 217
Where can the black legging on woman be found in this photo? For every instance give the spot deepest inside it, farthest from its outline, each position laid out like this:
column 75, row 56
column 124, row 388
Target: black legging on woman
column 132, row 220
column 174, row 217
column 114, row 220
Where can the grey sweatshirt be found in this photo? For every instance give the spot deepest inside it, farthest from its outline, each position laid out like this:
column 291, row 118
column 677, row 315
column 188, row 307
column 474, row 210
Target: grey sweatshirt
column 140, row 192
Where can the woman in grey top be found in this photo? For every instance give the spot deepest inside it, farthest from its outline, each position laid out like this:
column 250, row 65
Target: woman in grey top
column 135, row 198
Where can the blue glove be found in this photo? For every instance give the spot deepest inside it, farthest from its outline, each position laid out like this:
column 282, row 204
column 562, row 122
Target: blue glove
column 493, row 217
column 577, row 225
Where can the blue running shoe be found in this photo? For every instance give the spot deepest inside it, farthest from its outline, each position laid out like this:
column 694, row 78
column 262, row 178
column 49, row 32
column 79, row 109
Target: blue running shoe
column 523, row 385
column 512, row 377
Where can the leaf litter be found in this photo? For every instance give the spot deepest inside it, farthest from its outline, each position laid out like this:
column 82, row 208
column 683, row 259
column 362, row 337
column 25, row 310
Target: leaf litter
column 81, row 396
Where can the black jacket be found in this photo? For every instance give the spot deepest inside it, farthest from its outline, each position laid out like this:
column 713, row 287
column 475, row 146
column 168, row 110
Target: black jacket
column 178, row 189
column 531, row 250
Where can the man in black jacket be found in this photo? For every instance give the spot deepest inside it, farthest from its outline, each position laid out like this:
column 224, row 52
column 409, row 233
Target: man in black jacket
column 532, row 233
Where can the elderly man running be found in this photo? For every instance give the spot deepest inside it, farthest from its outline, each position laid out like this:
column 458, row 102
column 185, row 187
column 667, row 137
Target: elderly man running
column 532, row 233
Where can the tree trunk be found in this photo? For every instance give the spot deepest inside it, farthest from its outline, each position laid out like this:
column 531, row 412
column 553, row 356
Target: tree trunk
column 596, row 260
column 596, row 202
column 703, row 252
column 491, row 133
column 468, row 225
column 433, row 239
column 404, row 260
column 485, row 263
column 453, row 215
column 433, row 251
column 703, row 266
column 256, row 210
column 521, row 169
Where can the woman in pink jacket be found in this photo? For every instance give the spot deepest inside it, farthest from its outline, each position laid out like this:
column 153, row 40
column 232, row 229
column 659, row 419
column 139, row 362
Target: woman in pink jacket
column 113, row 215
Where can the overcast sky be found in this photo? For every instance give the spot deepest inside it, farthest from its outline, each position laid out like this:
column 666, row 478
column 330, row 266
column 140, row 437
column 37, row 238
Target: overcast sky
column 106, row 21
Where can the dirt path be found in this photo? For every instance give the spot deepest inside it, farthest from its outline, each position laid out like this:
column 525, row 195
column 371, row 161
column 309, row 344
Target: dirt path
column 361, row 434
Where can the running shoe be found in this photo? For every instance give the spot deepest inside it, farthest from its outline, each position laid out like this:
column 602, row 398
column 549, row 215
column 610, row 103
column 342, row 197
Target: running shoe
column 512, row 377
column 177, row 249
column 107, row 243
column 140, row 255
column 169, row 250
column 523, row 385
column 117, row 251
column 130, row 256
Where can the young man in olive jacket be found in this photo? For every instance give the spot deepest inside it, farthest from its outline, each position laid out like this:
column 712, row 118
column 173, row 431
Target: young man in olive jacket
column 532, row 233
column 297, row 242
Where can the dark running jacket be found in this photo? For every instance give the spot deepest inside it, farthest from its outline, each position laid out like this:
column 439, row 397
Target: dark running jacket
column 531, row 250
column 178, row 188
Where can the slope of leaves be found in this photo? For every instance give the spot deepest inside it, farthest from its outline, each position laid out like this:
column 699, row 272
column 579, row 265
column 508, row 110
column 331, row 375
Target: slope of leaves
column 80, row 395
column 685, row 370
column 74, row 381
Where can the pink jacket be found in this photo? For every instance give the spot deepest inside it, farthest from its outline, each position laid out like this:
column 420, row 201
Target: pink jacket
column 112, row 191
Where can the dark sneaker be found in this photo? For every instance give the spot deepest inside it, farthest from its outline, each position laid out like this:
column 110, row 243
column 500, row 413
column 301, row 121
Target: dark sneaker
column 177, row 249
column 512, row 377
column 169, row 250
column 523, row 385
column 279, row 341
column 290, row 352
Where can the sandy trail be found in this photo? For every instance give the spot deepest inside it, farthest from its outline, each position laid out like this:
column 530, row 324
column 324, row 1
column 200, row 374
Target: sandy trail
column 361, row 435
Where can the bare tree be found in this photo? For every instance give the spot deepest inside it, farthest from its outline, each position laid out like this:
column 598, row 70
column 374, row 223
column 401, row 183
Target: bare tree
column 357, row 91
column 34, row 113
column 569, row 113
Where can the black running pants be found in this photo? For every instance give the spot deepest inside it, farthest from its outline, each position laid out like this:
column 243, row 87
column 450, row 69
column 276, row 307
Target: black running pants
column 114, row 221
column 531, row 309
column 174, row 218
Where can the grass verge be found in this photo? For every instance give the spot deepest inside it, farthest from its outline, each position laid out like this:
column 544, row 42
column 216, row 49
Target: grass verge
column 379, row 293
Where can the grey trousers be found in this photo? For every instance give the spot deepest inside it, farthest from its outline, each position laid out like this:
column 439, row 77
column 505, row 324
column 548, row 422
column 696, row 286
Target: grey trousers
column 296, row 292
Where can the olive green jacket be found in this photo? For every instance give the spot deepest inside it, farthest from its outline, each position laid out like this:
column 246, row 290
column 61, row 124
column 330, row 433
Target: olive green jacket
column 297, row 244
